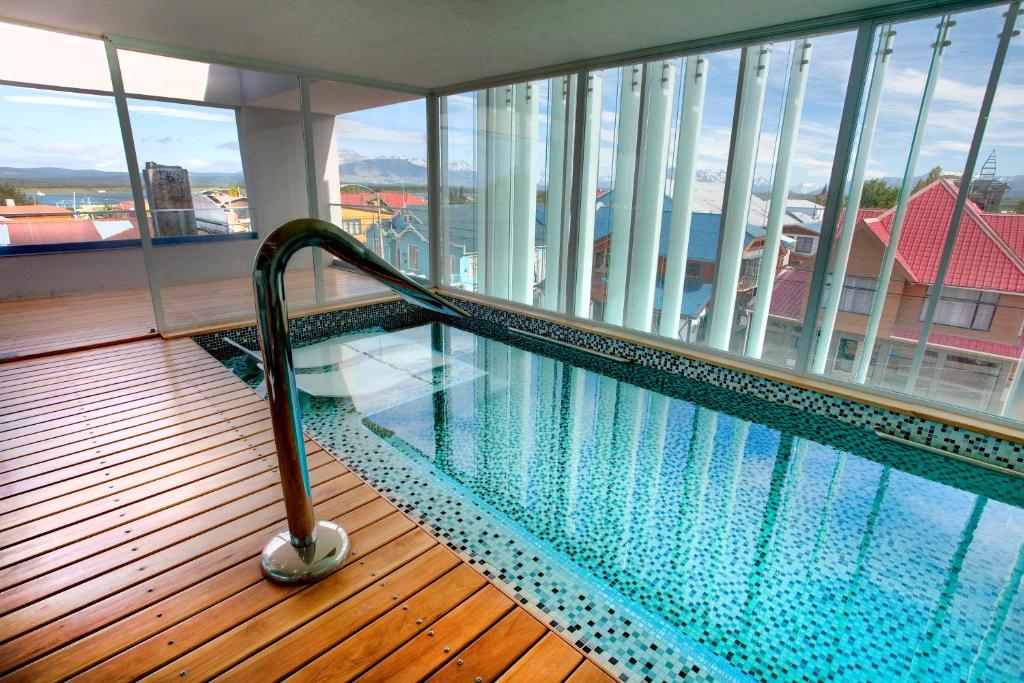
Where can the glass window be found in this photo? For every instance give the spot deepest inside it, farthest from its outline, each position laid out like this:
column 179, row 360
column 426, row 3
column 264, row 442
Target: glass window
column 41, row 58
column 65, row 181
column 191, row 168
column 916, row 122
column 222, row 162
column 370, row 148
column 857, row 294
column 65, row 196
column 508, row 178
column 967, row 308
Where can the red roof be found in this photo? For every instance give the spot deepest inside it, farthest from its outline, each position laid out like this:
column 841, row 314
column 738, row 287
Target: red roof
column 395, row 200
column 982, row 257
column 788, row 293
column 957, row 342
column 23, row 233
column 33, row 210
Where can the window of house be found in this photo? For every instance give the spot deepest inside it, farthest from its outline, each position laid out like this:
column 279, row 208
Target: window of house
column 692, row 269
column 857, row 294
column 846, row 354
column 351, row 225
column 969, row 308
column 804, row 244
column 414, row 257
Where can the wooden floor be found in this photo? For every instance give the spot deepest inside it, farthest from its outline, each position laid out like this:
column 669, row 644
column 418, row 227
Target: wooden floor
column 139, row 486
column 33, row 327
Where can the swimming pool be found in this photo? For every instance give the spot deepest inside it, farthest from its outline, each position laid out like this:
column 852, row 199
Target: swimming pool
column 672, row 527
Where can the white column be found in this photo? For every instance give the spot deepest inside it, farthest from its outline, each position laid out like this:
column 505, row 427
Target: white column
column 867, row 135
column 524, row 192
column 481, row 198
column 623, row 179
column 558, row 93
column 695, row 82
column 1015, row 394
column 650, row 194
column 780, row 195
column 754, row 79
column 491, row 174
column 895, row 232
column 588, row 196
column 501, row 237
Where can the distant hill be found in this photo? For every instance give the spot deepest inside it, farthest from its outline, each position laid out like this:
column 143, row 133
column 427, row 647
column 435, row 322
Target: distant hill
column 396, row 171
column 49, row 176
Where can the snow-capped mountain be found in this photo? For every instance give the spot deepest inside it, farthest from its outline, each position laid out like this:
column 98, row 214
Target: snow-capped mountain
column 396, row 170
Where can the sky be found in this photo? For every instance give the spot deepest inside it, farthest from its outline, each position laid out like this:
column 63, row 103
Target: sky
column 50, row 128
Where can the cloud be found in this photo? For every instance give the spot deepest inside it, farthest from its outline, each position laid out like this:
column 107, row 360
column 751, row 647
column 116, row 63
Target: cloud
column 60, row 101
column 218, row 115
column 356, row 130
column 233, row 146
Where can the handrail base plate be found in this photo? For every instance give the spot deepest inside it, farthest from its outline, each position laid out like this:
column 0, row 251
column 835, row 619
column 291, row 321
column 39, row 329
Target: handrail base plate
column 285, row 563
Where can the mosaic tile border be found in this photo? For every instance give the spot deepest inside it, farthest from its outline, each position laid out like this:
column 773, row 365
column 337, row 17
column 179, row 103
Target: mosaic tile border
column 992, row 450
column 311, row 328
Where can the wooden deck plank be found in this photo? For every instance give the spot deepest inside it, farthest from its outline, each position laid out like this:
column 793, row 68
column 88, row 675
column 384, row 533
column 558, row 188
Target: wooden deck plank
column 495, row 651
column 588, row 672
column 552, row 659
column 155, row 465
column 32, row 327
column 427, row 652
column 312, row 639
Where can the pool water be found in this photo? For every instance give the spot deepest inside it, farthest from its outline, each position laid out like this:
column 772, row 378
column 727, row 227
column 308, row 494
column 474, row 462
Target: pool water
column 756, row 541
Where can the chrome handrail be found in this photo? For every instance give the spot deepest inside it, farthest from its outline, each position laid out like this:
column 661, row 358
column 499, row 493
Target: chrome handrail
column 308, row 549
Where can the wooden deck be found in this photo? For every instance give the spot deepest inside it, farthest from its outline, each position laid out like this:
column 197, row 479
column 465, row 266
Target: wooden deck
column 139, row 486
column 33, row 327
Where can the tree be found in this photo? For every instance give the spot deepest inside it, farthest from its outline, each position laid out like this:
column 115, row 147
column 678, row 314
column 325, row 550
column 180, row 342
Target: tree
column 1020, row 207
column 9, row 191
column 932, row 176
column 878, row 194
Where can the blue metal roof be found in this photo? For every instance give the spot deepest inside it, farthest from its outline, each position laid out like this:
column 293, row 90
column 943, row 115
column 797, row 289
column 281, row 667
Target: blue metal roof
column 696, row 296
column 704, row 228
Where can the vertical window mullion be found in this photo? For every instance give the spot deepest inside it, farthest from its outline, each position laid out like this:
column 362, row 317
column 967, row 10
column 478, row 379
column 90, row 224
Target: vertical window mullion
column 845, row 146
column 135, row 178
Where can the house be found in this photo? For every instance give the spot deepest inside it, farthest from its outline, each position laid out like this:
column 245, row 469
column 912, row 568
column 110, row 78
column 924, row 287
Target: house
column 30, row 212
column 975, row 343
column 359, row 211
column 701, row 257
column 402, row 240
column 21, row 233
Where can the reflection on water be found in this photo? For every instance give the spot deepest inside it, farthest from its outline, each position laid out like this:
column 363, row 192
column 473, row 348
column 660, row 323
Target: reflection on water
column 785, row 556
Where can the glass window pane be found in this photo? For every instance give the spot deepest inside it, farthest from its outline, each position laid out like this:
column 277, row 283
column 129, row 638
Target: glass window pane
column 918, row 114
column 69, row 238
column 222, row 161
column 38, row 57
column 976, row 348
column 370, row 149
column 507, row 181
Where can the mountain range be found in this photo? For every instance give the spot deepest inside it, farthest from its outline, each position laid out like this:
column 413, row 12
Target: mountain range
column 355, row 168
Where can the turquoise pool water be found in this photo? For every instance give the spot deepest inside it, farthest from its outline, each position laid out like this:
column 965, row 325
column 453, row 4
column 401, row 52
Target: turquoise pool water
column 751, row 540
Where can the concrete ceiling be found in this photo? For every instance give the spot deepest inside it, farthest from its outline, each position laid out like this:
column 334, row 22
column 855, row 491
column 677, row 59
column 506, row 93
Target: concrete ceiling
column 424, row 43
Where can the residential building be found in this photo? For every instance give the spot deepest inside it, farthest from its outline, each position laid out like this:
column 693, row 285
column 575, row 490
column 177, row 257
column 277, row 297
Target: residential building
column 976, row 341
